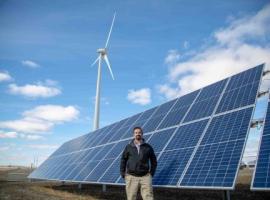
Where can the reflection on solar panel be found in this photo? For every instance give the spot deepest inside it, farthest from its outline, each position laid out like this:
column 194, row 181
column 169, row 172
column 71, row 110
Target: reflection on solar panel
column 261, row 176
column 198, row 139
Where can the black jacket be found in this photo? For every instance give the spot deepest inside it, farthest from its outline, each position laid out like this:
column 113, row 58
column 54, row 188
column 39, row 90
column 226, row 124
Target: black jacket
column 138, row 164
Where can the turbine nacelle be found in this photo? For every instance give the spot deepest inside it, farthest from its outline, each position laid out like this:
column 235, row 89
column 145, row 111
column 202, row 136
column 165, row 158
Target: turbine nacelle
column 102, row 51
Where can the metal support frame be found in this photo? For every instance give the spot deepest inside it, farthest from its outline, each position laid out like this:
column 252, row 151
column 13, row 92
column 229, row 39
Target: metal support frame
column 104, row 188
column 80, row 186
column 256, row 122
column 263, row 93
column 266, row 72
column 226, row 195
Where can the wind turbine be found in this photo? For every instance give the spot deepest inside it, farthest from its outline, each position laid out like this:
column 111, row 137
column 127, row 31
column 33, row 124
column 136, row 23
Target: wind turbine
column 102, row 56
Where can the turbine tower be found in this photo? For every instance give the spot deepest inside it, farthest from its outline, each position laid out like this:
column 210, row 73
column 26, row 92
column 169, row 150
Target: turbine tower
column 102, row 56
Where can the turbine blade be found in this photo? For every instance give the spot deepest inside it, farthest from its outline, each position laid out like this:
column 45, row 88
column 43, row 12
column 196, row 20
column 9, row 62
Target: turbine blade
column 108, row 64
column 108, row 38
column 95, row 61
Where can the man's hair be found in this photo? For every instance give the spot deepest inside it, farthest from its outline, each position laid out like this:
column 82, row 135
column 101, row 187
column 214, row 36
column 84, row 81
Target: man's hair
column 137, row 127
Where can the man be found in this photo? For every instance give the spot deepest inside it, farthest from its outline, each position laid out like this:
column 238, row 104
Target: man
column 134, row 167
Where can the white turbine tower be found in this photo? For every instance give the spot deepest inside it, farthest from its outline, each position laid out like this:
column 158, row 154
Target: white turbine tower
column 102, row 56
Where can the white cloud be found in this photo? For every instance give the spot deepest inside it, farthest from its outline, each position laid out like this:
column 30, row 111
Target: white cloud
column 30, row 63
column 43, row 146
column 34, row 91
column 53, row 113
column 11, row 134
column 4, row 148
column 168, row 91
column 236, row 48
column 251, row 27
column 41, row 119
column 141, row 96
column 31, row 137
column 4, row 76
column 27, row 125
column 172, row 57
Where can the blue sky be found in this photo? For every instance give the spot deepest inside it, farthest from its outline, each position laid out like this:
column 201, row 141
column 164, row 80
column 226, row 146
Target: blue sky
column 158, row 50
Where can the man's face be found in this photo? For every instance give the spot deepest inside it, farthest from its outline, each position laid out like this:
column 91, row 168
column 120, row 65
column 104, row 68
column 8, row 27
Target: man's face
column 137, row 134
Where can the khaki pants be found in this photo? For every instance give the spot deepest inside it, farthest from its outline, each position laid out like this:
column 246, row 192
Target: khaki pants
column 133, row 183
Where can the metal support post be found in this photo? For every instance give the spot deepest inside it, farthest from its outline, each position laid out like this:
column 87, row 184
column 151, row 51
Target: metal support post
column 104, row 188
column 226, row 195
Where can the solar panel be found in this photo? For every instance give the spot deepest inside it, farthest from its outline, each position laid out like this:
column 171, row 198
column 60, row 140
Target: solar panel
column 140, row 121
column 156, row 118
column 119, row 133
column 261, row 175
column 175, row 156
column 198, row 139
column 216, row 160
column 206, row 102
column 178, row 110
column 241, row 90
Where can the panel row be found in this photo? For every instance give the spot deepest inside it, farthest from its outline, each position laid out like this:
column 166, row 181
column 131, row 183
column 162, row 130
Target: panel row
column 208, row 124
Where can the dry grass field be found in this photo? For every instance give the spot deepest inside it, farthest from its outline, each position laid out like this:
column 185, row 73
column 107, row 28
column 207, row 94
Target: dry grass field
column 24, row 190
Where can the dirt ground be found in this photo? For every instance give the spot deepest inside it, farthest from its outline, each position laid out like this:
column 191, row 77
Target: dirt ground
column 55, row 191
column 24, row 190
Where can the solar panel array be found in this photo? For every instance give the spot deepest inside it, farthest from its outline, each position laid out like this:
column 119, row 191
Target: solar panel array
column 261, row 176
column 198, row 138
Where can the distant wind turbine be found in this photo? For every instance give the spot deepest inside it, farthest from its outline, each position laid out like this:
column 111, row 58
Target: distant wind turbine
column 102, row 56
